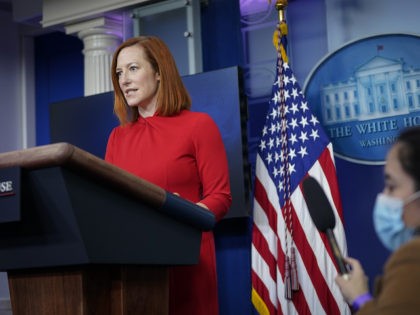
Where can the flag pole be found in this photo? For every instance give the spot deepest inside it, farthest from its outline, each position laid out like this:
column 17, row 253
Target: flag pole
column 281, row 30
column 281, row 7
column 291, row 275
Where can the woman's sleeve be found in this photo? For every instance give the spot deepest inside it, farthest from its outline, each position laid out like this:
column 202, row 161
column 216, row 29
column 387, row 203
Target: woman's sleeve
column 213, row 167
column 400, row 284
column 109, row 153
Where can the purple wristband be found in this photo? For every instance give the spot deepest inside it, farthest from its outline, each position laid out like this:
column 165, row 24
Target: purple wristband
column 360, row 301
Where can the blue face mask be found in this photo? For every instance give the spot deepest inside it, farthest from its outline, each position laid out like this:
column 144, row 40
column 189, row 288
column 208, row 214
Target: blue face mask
column 388, row 221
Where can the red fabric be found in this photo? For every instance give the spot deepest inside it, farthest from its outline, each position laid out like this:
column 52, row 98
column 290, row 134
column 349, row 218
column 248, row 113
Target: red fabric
column 183, row 154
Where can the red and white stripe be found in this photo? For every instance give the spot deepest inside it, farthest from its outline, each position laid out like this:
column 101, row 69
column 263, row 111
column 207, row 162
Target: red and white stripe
column 316, row 267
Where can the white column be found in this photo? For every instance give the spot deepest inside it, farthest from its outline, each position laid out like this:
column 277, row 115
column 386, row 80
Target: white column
column 100, row 36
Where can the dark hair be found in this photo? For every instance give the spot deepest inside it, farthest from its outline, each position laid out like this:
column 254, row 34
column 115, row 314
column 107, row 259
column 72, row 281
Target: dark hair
column 409, row 153
column 172, row 96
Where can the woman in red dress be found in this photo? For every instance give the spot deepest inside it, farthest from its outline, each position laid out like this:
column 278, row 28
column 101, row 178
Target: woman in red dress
column 160, row 140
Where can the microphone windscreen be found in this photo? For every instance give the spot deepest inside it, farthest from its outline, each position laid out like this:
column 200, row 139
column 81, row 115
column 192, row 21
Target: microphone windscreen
column 318, row 205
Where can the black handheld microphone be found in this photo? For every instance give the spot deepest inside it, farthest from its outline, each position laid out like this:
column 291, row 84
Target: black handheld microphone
column 323, row 216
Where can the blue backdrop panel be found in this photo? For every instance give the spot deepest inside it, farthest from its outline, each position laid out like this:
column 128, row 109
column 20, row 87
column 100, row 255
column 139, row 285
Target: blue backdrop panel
column 58, row 76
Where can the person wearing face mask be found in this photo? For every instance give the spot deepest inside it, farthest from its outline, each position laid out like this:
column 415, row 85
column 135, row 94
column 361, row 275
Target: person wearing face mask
column 160, row 140
column 396, row 217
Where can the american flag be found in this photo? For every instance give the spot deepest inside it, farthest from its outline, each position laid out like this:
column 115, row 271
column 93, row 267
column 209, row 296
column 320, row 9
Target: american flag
column 293, row 268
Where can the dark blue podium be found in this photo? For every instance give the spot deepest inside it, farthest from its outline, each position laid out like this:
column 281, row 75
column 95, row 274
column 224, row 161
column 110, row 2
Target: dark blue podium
column 81, row 236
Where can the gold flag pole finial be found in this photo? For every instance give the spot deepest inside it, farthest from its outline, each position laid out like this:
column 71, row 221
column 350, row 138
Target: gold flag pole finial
column 282, row 27
column 281, row 7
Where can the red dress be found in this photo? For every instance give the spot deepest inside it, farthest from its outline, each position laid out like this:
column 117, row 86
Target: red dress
column 183, row 154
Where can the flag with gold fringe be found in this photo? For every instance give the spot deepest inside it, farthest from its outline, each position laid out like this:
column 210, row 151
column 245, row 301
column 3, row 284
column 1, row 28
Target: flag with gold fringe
column 293, row 267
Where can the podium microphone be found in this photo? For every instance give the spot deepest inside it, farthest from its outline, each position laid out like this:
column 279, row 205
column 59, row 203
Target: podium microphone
column 323, row 217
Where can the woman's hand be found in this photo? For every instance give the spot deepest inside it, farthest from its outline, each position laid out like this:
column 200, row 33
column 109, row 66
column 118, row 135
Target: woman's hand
column 353, row 284
column 198, row 203
column 202, row 205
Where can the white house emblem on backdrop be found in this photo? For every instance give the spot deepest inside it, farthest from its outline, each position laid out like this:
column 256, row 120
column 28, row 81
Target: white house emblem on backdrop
column 365, row 93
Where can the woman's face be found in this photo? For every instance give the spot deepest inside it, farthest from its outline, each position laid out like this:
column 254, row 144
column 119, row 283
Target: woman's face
column 137, row 79
column 401, row 185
